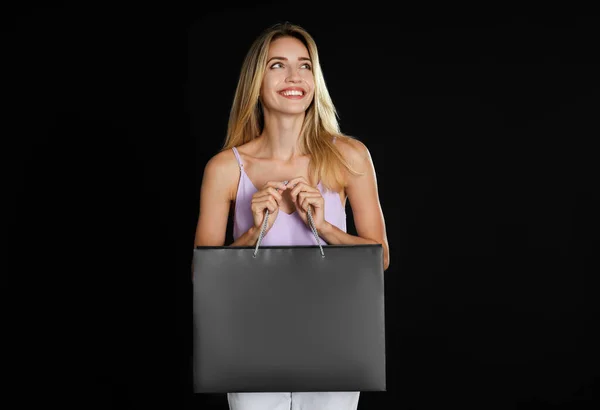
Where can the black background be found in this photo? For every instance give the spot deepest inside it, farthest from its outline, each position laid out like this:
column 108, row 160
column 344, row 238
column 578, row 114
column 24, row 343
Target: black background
column 480, row 124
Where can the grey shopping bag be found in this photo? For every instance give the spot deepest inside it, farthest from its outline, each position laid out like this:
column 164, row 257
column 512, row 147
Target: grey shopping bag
column 288, row 318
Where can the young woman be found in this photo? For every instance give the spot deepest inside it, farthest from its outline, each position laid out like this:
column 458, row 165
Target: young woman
column 284, row 152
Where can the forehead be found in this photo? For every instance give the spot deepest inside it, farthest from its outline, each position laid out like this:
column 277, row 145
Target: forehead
column 287, row 46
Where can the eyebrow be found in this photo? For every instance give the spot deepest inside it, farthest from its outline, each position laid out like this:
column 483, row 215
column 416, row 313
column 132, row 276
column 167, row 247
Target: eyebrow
column 285, row 59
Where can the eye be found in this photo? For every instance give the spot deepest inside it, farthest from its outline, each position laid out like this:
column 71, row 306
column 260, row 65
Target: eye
column 277, row 65
column 306, row 65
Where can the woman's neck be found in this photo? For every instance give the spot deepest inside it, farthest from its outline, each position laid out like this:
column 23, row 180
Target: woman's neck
column 281, row 136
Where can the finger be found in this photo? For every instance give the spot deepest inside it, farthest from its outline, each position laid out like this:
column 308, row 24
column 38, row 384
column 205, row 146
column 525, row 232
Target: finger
column 262, row 195
column 265, row 199
column 293, row 182
column 269, row 204
column 301, row 187
column 273, row 191
column 272, row 205
column 316, row 202
column 258, row 199
column 275, row 184
column 304, row 194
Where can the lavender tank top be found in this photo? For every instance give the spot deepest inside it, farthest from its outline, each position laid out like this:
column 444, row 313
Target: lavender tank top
column 288, row 229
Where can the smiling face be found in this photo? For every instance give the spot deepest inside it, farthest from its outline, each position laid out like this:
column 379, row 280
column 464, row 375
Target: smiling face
column 288, row 85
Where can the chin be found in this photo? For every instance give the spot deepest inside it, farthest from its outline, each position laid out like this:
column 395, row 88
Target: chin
column 292, row 112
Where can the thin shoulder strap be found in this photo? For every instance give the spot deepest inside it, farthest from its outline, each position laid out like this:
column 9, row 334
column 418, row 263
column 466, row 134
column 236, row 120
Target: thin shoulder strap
column 237, row 156
column 334, row 137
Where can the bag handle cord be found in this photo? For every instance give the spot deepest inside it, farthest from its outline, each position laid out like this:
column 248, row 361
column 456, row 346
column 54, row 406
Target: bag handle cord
column 311, row 222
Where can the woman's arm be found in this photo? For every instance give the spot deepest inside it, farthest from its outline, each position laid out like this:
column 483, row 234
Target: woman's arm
column 219, row 185
column 217, row 192
column 362, row 192
column 215, row 201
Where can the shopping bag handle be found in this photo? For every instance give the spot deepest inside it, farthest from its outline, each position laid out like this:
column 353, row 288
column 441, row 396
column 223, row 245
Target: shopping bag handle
column 311, row 222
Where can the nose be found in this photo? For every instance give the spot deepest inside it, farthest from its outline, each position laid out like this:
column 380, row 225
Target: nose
column 293, row 76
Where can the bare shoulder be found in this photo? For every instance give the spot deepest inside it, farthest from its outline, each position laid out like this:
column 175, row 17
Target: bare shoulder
column 354, row 151
column 222, row 170
column 223, row 160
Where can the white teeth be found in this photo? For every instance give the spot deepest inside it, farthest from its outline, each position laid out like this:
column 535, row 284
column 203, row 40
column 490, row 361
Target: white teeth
column 291, row 92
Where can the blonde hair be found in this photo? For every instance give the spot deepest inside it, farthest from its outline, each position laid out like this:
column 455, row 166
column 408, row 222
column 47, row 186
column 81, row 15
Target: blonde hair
column 320, row 125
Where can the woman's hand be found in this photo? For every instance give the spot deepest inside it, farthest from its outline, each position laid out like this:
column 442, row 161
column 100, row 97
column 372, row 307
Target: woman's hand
column 269, row 197
column 304, row 196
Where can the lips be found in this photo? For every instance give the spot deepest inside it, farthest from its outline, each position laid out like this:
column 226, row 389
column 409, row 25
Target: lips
column 292, row 92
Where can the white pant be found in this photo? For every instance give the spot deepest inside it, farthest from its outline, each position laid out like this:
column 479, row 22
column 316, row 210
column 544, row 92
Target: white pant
column 294, row 401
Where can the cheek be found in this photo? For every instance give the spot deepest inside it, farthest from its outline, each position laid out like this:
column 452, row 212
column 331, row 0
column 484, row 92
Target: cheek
column 269, row 80
column 310, row 81
column 271, row 84
column 266, row 85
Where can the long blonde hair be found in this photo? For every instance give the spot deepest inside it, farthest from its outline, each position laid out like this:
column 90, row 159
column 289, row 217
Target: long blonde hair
column 320, row 125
